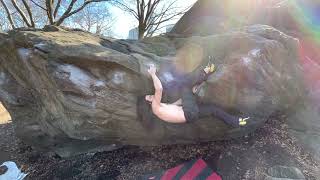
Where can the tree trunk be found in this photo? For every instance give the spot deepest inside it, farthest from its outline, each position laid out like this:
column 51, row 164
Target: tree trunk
column 141, row 32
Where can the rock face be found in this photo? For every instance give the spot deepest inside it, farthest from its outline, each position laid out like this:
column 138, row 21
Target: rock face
column 73, row 92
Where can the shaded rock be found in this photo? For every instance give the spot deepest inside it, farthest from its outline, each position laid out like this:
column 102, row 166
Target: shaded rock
column 284, row 173
column 73, row 92
column 51, row 28
column 3, row 34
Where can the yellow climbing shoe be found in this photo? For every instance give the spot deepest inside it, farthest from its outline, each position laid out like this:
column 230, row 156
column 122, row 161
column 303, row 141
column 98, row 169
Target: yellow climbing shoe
column 243, row 121
column 212, row 68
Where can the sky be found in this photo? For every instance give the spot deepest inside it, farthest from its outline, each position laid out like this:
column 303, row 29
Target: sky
column 124, row 21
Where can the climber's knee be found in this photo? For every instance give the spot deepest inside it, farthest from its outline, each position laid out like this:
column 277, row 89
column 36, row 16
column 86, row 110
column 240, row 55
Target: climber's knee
column 191, row 116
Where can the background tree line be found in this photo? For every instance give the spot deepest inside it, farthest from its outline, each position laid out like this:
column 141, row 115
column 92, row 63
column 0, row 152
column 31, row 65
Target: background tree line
column 90, row 15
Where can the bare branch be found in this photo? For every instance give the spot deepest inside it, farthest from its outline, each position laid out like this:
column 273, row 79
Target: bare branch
column 26, row 5
column 142, row 10
column 66, row 13
column 152, row 13
column 91, row 19
column 21, row 13
column 8, row 14
column 49, row 6
column 150, row 32
column 57, row 9
column 138, row 8
column 151, row 8
column 69, row 13
column 165, row 16
column 126, row 8
column 155, row 30
column 167, row 19
column 35, row 3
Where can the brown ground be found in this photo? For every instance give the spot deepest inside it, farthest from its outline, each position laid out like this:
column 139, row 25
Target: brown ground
column 245, row 158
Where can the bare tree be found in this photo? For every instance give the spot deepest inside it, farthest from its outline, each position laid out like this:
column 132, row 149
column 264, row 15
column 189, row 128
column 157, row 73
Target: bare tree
column 94, row 18
column 9, row 16
column 23, row 10
column 151, row 14
column 3, row 20
column 70, row 10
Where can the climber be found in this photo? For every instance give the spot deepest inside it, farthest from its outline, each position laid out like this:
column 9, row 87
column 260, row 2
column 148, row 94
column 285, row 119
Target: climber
column 187, row 108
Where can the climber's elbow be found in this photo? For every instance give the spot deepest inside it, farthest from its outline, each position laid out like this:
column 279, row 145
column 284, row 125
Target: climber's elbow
column 159, row 89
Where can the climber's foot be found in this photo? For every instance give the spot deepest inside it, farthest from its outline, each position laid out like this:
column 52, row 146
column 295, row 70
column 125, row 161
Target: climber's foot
column 210, row 68
column 243, row 121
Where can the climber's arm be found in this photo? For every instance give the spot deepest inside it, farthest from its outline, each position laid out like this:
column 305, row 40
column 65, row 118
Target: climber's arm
column 178, row 102
column 158, row 89
column 157, row 86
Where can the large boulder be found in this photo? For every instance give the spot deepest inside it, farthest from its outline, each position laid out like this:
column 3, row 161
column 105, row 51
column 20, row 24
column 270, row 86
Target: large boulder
column 73, row 92
column 295, row 18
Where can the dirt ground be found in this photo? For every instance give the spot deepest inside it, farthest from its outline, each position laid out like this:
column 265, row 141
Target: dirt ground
column 245, row 158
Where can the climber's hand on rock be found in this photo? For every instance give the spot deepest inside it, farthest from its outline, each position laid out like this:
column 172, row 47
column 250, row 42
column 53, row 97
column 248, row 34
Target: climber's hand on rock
column 152, row 70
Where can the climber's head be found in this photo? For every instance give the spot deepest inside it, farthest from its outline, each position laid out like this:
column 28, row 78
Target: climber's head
column 149, row 98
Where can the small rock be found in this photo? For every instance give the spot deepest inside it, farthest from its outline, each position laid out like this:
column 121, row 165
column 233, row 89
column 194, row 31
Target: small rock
column 50, row 28
column 3, row 169
column 284, row 172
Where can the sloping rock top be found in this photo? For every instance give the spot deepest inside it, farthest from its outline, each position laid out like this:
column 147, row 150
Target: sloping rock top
column 208, row 17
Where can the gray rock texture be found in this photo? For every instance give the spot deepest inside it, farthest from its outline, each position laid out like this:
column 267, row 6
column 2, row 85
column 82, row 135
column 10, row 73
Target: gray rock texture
column 73, row 92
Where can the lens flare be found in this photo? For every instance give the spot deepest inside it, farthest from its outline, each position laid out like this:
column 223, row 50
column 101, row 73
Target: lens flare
column 306, row 15
column 298, row 18
column 189, row 57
